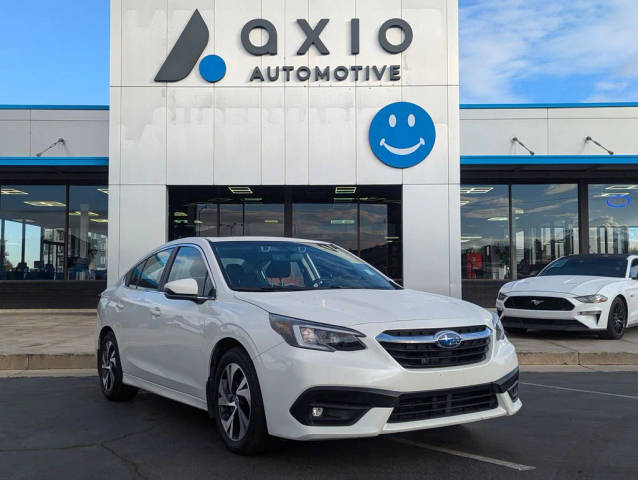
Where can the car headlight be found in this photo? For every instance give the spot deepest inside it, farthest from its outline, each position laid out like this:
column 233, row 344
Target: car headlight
column 316, row 336
column 498, row 326
column 592, row 299
column 501, row 296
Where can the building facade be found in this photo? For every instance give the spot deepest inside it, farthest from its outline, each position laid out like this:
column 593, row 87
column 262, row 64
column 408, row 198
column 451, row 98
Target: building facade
column 331, row 120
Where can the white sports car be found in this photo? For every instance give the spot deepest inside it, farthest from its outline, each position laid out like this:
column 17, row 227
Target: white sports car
column 575, row 293
column 300, row 340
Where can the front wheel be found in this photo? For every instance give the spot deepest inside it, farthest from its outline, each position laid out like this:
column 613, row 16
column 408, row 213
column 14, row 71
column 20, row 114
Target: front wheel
column 617, row 320
column 239, row 409
column 110, row 370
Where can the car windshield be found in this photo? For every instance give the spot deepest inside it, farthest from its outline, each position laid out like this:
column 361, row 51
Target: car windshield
column 266, row 266
column 592, row 266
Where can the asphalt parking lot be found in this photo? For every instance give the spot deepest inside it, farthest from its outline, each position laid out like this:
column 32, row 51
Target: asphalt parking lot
column 573, row 425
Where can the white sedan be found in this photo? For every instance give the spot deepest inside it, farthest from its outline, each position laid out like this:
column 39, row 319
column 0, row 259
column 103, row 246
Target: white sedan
column 299, row 340
column 575, row 293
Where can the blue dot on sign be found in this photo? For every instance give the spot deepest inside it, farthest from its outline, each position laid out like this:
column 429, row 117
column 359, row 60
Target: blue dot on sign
column 212, row 68
column 402, row 135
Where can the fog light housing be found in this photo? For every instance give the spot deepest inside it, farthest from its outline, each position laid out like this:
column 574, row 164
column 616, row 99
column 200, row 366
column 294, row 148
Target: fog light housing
column 317, row 411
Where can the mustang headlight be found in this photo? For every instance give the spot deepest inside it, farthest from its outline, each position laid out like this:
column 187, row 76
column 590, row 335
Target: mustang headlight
column 498, row 326
column 316, row 336
column 501, row 296
column 592, row 299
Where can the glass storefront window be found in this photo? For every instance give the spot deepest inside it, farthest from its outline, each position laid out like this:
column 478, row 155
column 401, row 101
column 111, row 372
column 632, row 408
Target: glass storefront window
column 485, row 244
column 613, row 218
column 545, row 225
column 32, row 232
column 88, row 232
column 364, row 220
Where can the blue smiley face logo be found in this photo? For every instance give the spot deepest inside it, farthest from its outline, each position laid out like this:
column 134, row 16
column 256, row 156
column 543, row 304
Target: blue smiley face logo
column 402, row 135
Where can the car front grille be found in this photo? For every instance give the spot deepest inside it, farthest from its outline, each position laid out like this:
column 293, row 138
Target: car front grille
column 539, row 303
column 443, row 403
column 418, row 348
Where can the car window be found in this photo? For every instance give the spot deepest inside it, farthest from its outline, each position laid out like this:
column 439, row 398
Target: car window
column 133, row 275
column 189, row 263
column 153, row 269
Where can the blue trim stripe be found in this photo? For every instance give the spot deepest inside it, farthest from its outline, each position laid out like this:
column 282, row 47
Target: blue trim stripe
column 54, row 161
column 482, row 106
column 549, row 160
column 54, row 107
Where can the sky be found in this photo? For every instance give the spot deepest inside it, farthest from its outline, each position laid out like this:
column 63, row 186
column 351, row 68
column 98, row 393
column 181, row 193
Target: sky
column 511, row 51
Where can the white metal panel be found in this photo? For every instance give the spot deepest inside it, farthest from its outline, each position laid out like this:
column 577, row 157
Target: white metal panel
column 332, row 136
column 567, row 136
column 273, row 136
column 434, row 169
column 116, row 43
column 64, row 115
column 230, row 17
column 597, row 112
column 114, row 133
column 426, row 238
column 336, row 36
column 370, row 170
column 114, row 241
column 138, row 235
column 179, row 13
column 189, row 135
column 21, row 114
column 296, row 135
column 372, row 14
column 81, row 139
column 426, row 61
column 494, row 137
column 143, row 135
column 503, row 113
column 144, row 41
column 453, row 42
column 237, row 136
column 15, row 137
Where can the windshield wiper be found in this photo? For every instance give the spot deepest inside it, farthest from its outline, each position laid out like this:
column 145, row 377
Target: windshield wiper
column 273, row 289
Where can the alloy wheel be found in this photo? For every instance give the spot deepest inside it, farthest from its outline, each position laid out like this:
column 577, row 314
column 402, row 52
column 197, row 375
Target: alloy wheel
column 233, row 401
column 109, row 364
column 618, row 318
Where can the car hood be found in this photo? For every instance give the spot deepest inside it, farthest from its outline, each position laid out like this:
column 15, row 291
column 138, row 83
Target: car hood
column 572, row 284
column 357, row 307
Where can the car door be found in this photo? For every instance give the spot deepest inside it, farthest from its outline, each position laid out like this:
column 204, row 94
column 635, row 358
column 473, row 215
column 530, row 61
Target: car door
column 185, row 355
column 631, row 293
column 141, row 324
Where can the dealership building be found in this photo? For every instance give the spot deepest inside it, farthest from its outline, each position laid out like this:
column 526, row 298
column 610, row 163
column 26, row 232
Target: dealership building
column 323, row 119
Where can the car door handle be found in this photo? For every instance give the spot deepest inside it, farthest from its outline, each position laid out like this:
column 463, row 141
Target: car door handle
column 156, row 312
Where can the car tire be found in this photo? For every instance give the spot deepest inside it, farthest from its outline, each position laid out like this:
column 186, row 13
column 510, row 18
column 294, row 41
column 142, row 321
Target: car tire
column 239, row 408
column 110, row 371
column 516, row 331
column 616, row 321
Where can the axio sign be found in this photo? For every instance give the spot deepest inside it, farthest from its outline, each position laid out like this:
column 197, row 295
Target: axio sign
column 401, row 135
column 193, row 40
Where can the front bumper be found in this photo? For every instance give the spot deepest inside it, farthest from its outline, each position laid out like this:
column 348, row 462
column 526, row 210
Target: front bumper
column 294, row 380
column 584, row 317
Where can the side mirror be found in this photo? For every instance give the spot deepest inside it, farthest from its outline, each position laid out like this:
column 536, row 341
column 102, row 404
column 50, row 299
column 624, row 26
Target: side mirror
column 633, row 273
column 184, row 289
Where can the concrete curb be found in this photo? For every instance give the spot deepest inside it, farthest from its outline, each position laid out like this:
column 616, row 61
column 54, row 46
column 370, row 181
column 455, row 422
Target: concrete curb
column 73, row 361
column 41, row 361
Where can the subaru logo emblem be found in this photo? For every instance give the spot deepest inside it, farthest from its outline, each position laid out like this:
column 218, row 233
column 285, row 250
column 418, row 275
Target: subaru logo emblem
column 448, row 339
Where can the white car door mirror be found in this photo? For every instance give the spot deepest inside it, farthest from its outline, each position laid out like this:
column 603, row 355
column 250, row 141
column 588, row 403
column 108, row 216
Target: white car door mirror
column 184, row 289
column 633, row 273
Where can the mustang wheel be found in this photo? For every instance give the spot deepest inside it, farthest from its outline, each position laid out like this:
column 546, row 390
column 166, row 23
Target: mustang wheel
column 110, row 370
column 617, row 321
column 239, row 411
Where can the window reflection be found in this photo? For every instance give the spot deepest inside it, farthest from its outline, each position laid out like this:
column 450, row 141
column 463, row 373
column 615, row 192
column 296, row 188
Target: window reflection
column 613, row 218
column 485, row 242
column 32, row 232
column 88, row 232
column 545, row 225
